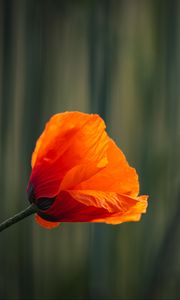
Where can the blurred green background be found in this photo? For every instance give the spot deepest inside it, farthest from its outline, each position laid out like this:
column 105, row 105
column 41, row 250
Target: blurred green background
column 120, row 59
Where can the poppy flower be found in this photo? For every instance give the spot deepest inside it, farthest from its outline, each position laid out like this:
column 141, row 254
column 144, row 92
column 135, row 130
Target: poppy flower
column 80, row 175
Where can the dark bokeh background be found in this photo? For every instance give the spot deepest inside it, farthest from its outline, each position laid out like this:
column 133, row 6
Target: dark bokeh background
column 120, row 59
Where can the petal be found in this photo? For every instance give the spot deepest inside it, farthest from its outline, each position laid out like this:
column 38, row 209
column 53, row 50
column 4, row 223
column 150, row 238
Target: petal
column 44, row 223
column 91, row 206
column 69, row 139
column 81, row 173
column 133, row 214
column 67, row 209
column 117, row 176
column 110, row 201
column 56, row 136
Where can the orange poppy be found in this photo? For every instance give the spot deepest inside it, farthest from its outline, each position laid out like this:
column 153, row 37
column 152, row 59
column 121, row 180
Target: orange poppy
column 80, row 175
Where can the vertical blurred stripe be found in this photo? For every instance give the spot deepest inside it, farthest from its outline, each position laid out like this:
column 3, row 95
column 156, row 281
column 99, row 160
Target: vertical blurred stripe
column 101, row 51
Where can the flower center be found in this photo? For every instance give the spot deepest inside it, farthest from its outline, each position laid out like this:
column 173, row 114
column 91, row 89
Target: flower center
column 42, row 203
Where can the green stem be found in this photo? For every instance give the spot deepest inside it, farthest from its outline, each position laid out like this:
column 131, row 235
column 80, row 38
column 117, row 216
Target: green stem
column 18, row 217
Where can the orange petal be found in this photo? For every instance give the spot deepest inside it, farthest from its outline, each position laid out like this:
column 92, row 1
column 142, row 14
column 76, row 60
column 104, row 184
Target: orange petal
column 133, row 214
column 110, row 201
column 76, row 206
column 81, row 173
column 117, row 176
column 69, row 139
column 81, row 135
column 56, row 137
column 67, row 209
column 44, row 223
